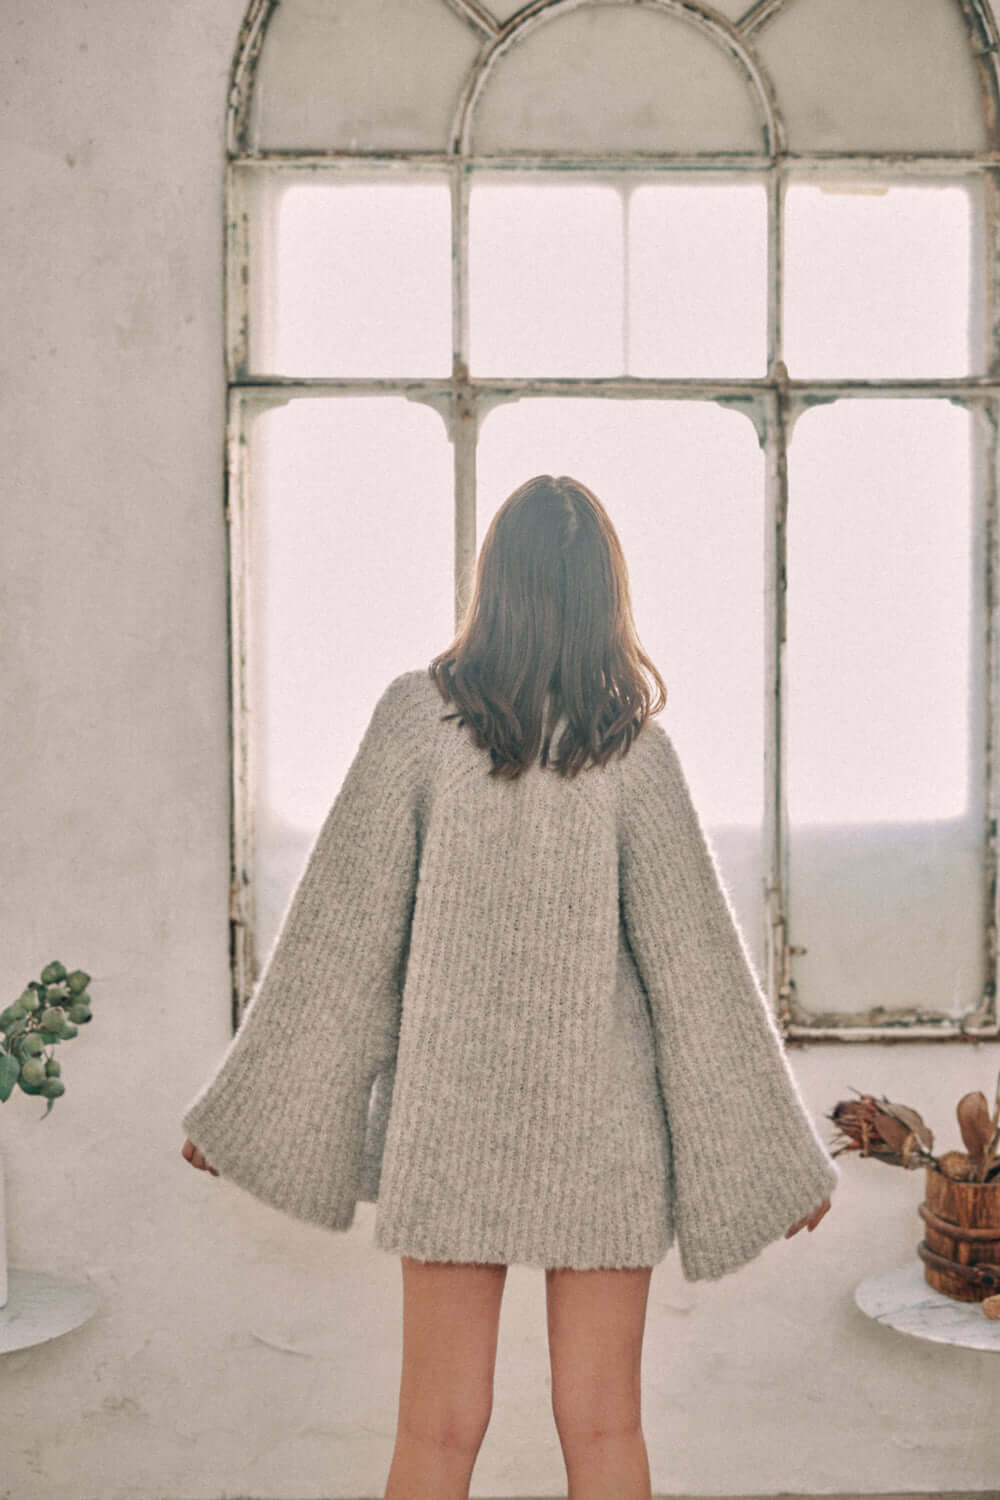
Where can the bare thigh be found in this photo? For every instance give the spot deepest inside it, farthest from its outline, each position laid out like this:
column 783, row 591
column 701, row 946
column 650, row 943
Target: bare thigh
column 451, row 1315
column 596, row 1322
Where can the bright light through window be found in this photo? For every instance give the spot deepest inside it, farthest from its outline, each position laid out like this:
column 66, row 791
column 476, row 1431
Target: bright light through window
column 574, row 278
column 545, row 278
column 697, row 278
column 354, row 514
column 362, row 282
column 877, row 283
column 352, row 565
column 879, row 612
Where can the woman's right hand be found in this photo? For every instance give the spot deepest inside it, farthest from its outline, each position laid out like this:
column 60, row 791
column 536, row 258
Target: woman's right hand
column 811, row 1219
column 196, row 1157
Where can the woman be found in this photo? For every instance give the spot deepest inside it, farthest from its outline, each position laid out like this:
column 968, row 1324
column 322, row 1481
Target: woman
column 510, row 1003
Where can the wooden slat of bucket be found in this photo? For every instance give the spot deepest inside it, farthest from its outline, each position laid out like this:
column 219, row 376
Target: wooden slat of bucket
column 955, row 1230
column 962, row 1225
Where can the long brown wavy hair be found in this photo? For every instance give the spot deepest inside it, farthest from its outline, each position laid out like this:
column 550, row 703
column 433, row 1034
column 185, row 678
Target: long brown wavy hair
column 550, row 613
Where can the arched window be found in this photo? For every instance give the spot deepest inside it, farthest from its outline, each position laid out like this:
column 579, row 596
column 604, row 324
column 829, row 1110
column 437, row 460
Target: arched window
column 733, row 265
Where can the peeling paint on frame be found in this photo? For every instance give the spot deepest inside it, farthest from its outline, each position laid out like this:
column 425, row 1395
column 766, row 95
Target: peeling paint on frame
column 773, row 403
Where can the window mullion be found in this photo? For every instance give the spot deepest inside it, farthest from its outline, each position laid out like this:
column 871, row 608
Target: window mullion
column 990, row 457
column 243, row 874
column 460, row 187
column 775, row 265
column 625, row 186
column 464, row 415
column 237, row 282
column 775, row 811
column 464, row 431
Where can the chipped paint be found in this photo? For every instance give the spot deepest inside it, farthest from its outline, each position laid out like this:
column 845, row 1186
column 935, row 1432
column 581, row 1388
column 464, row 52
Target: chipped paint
column 242, row 933
column 237, row 276
column 984, row 44
column 244, row 73
column 611, row 167
column 974, row 389
column 991, row 671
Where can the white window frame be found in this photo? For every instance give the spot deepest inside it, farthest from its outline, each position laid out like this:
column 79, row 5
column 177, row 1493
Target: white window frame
column 773, row 402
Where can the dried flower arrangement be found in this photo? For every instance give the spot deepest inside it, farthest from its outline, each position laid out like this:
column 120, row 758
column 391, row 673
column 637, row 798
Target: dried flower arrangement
column 962, row 1226
column 897, row 1135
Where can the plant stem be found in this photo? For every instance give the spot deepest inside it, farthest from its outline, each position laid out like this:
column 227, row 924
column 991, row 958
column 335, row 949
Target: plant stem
column 989, row 1155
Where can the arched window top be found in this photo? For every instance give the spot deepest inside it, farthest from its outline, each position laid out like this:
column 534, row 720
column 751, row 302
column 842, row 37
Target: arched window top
column 577, row 77
column 610, row 79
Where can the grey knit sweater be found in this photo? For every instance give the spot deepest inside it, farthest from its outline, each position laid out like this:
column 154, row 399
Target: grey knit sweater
column 519, row 1016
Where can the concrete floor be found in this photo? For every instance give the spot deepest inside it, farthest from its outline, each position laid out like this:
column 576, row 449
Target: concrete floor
column 991, row 1494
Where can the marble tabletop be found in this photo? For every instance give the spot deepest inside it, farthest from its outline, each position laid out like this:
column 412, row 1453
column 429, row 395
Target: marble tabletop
column 41, row 1306
column 904, row 1300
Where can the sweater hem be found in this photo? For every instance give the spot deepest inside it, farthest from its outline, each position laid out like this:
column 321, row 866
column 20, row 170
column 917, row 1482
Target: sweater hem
column 396, row 1240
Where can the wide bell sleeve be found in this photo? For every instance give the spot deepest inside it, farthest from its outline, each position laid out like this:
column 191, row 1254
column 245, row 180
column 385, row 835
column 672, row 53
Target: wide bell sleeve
column 747, row 1159
column 284, row 1113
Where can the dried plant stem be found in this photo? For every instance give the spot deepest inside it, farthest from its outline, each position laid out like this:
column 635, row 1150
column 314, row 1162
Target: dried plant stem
column 990, row 1156
column 992, row 1153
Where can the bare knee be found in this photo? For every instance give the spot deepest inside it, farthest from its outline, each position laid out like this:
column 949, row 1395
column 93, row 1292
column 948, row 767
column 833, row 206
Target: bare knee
column 596, row 1417
column 596, row 1322
column 452, row 1429
column 597, row 1398
column 451, row 1313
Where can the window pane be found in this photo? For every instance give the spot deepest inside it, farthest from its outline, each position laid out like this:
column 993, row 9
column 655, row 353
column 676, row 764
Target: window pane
column 883, row 647
column 353, row 568
column 698, row 279
column 546, row 292
column 361, row 281
column 683, row 483
column 877, row 283
column 893, row 76
column 613, row 79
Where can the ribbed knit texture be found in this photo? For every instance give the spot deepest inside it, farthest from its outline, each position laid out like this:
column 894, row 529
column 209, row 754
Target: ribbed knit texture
column 519, row 1016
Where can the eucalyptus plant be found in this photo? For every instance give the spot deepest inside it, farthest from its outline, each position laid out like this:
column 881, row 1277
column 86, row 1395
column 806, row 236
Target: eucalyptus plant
column 49, row 1010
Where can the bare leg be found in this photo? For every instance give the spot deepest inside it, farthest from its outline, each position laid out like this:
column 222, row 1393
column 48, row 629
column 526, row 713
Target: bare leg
column 596, row 1321
column 451, row 1315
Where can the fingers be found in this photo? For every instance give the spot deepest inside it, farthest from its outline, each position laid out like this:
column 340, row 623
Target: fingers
column 818, row 1213
column 192, row 1154
column 811, row 1219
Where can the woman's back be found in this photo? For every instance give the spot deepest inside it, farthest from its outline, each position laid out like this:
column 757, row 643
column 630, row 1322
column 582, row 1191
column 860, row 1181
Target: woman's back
column 520, row 1015
column 526, row 1123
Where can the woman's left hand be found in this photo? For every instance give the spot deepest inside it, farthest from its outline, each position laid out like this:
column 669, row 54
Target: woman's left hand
column 190, row 1151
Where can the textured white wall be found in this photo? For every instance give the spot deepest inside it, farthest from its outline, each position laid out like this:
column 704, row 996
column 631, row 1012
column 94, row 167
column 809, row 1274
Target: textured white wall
column 237, row 1352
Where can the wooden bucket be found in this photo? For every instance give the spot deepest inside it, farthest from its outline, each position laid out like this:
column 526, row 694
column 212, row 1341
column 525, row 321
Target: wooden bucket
column 961, row 1244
